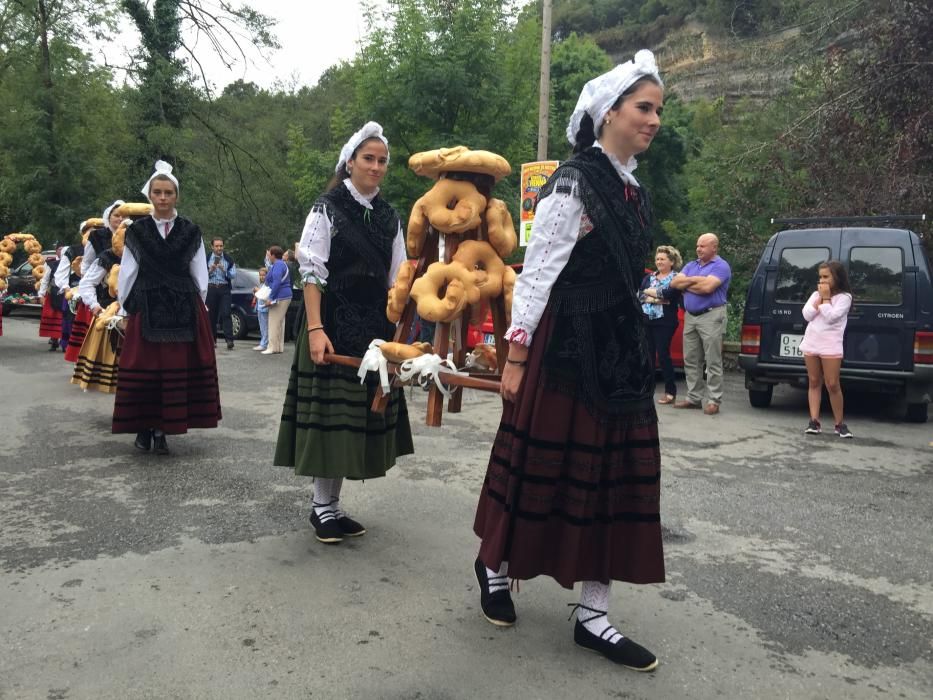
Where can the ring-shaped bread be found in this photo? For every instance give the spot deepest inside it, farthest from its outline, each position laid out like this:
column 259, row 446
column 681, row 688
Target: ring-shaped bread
column 450, row 206
column 134, row 209
column 487, row 267
column 399, row 352
column 459, row 289
column 399, row 292
column 35, row 259
column 500, row 228
column 459, row 159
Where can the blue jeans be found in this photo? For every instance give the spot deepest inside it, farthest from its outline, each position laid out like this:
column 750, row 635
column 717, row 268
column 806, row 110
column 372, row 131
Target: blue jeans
column 263, row 314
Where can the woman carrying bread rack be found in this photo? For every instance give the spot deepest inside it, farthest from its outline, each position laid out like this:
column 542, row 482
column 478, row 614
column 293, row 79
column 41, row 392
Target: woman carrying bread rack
column 573, row 483
column 350, row 249
column 167, row 378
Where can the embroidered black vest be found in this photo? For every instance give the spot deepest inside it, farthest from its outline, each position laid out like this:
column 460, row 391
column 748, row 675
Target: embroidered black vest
column 56, row 296
column 68, row 257
column 100, row 239
column 353, row 306
column 164, row 294
column 598, row 349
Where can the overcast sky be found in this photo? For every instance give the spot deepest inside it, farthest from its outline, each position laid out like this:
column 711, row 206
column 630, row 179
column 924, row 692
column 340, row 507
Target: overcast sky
column 313, row 34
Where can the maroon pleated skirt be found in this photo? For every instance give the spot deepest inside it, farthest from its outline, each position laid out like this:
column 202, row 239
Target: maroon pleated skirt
column 170, row 387
column 569, row 493
column 50, row 321
column 82, row 321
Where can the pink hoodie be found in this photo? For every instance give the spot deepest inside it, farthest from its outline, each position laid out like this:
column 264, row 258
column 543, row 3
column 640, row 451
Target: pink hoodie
column 826, row 324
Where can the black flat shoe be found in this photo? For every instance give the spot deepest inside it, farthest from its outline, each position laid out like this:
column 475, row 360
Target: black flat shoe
column 349, row 527
column 497, row 607
column 624, row 652
column 327, row 532
column 159, row 446
column 143, row 440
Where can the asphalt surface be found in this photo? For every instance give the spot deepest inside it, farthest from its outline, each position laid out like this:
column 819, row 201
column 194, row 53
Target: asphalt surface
column 797, row 566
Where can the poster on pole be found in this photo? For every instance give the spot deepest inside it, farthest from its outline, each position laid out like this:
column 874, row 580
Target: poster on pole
column 534, row 177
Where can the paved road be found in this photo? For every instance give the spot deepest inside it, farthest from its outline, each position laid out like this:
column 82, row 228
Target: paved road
column 797, row 567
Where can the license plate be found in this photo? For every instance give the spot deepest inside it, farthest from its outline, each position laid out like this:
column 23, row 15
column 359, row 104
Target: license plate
column 489, row 338
column 790, row 345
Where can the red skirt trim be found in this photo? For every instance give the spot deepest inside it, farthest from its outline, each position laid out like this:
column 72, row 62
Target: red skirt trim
column 50, row 322
column 171, row 387
column 82, row 321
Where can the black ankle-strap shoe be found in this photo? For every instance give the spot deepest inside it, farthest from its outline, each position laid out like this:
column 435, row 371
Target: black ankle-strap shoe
column 349, row 527
column 159, row 445
column 624, row 651
column 326, row 530
column 143, row 440
column 497, row 607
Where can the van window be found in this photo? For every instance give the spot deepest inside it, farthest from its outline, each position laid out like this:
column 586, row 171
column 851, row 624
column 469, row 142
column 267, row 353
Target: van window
column 797, row 273
column 876, row 275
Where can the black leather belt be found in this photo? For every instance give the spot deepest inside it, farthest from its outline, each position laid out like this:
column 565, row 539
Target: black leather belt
column 705, row 311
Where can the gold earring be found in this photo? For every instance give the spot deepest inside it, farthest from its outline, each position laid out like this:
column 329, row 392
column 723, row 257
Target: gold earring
column 608, row 120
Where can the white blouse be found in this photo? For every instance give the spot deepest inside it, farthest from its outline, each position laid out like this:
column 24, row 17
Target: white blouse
column 87, row 287
column 63, row 273
column 560, row 221
column 129, row 267
column 314, row 248
column 44, row 284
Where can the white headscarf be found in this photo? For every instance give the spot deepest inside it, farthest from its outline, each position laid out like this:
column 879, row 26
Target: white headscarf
column 369, row 130
column 108, row 211
column 600, row 93
column 161, row 168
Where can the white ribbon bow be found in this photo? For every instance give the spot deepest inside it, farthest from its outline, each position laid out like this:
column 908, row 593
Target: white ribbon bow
column 427, row 367
column 375, row 361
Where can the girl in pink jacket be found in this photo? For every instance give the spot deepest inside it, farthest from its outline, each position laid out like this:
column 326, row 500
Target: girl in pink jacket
column 826, row 312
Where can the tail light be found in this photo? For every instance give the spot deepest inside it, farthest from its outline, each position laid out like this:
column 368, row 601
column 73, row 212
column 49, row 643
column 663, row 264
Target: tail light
column 751, row 340
column 923, row 348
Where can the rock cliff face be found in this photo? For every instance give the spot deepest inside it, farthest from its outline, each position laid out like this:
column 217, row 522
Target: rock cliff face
column 697, row 65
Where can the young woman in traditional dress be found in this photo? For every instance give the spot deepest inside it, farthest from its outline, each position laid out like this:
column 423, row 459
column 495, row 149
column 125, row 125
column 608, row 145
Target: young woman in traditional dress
column 573, row 484
column 350, row 251
column 167, row 381
column 50, row 320
column 75, row 317
column 98, row 360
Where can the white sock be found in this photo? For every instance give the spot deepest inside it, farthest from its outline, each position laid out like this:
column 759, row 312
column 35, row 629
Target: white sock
column 322, row 499
column 336, row 485
column 498, row 580
column 593, row 611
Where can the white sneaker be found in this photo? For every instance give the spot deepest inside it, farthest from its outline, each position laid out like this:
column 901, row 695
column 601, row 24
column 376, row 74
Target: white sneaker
column 259, row 347
column 267, row 352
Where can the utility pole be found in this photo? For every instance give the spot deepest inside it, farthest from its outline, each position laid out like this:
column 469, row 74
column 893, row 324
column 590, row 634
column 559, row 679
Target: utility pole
column 544, row 99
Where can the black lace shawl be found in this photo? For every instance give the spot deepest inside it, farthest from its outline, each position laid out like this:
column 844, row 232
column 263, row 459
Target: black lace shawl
column 354, row 302
column 164, row 294
column 598, row 350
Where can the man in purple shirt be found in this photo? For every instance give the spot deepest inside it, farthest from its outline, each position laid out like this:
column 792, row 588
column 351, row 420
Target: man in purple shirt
column 705, row 284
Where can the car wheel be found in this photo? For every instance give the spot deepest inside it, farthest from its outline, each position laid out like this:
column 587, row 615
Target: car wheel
column 760, row 398
column 917, row 412
column 238, row 321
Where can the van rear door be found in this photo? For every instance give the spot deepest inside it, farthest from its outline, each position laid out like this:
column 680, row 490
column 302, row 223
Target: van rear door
column 792, row 274
column 882, row 273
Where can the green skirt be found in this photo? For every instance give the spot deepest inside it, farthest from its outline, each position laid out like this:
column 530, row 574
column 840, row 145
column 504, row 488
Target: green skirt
column 327, row 429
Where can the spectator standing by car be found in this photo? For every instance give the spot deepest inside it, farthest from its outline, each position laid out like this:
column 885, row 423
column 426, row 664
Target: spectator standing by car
column 705, row 286
column 351, row 249
column 826, row 313
column 290, row 259
column 279, row 281
column 167, row 379
column 660, row 303
column 572, row 488
column 261, row 302
column 220, row 273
